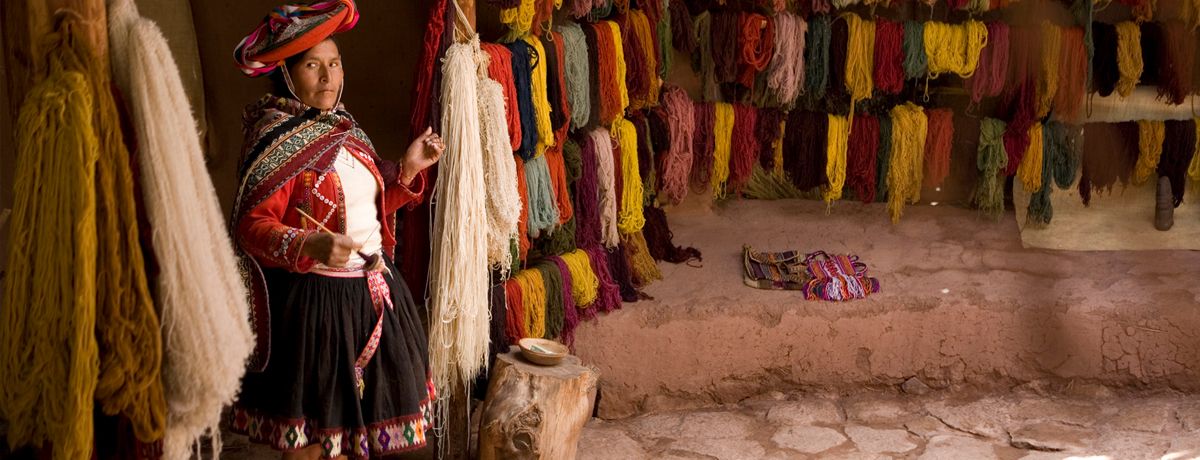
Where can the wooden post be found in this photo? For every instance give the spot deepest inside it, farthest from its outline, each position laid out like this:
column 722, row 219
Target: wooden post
column 535, row 412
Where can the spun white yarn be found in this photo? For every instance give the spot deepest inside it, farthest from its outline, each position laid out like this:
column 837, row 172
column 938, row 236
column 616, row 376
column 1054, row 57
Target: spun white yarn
column 205, row 315
column 458, row 273
column 607, row 181
column 500, row 173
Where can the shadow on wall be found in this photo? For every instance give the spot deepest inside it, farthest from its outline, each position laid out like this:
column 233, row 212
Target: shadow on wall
column 379, row 54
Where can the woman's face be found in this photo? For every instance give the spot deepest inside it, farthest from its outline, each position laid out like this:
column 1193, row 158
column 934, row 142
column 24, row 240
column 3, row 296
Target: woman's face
column 317, row 77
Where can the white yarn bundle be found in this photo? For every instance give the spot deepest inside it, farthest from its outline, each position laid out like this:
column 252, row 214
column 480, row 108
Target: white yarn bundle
column 205, row 316
column 500, row 173
column 607, row 181
column 458, row 270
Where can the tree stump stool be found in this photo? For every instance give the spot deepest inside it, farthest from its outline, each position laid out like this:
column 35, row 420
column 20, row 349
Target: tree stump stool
column 535, row 412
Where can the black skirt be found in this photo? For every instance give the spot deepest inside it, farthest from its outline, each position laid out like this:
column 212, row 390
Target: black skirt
column 308, row 395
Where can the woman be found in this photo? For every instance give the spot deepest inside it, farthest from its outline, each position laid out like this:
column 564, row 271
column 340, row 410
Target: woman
column 341, row 367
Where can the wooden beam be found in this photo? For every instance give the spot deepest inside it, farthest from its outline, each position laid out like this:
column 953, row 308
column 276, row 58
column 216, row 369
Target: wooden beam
column 25, row 26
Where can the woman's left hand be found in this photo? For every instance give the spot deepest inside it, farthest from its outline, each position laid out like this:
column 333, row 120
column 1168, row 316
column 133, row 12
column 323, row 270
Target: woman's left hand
column 424, row 151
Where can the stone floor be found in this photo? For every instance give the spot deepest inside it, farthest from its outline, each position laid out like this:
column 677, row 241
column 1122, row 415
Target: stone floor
column 1083, row 423
column 1030, row 423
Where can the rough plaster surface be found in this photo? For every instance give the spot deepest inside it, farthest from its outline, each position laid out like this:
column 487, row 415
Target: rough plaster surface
column 963, row 304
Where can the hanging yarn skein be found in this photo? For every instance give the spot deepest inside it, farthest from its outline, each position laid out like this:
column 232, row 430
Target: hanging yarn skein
column 756, row 41
column 989, row 80
column 500, row 70
column 500, row 175
column 519, row 19
column 816, row 56
column 785, row 73
column 539, row 95
column 630, row 217
column 543, row 211
column 889, row 56
column 1111, row 151
column 1179, row 148
column 677, row 163
column 1041, row 210
column 939, row 143
column 954, row 47
column 618, row 53
column 458, row 276
column 884, row 157
column 835, row 164
column 53, row 255
column 916, row 63
column 606, row 173
column 860, row 59
column 991, row 161
column 522, row 72
column 1030, row 170
column 1129, row 57
column 806, row 138
column 722, row 138
column 744, row 147
column 198, row 283
column 1193, row 172
column 1047, row 83
column 1072, row 76
column 861, row 156
column 909, row 129
column 576, row 72
column 683, row 35
column 1150, row 146
column 1176, row 62
column 703, row 145
column 1104, row 62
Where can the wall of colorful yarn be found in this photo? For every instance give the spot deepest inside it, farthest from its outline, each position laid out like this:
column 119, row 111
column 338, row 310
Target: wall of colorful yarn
column 898, row 102
column 587, row 128
column 1032, row 68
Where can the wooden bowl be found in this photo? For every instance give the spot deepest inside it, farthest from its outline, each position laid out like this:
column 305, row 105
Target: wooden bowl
column 542, row 351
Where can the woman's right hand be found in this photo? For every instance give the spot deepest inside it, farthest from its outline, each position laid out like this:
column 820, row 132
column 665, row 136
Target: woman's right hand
column 331, row 249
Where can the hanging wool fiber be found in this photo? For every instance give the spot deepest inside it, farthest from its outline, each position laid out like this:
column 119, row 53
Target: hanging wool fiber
column 677, row 163
column 1047, row 83
column 558, row 299
column 884, row 156
column 638, row 70
column 889, row 56
column 1104, row 63
column 522, row 71
column 835, row 164
column 533, row 302
column 756, row 43
column 939, row 143
column 543, row 211
column 458, row 270
column 724, row 29
column 519, row 19
column 991, row 161
column 816, row 57
column 608, row 298
column 1110, row 151
column 539, row 94
column 744, row 145
column 1176, row 62
column 1150, row 146
column 630, row 218
column 1072, row 81
column 606, row 176
column 703, row 145
column 576, row 73
column 500, row 175
column 861, row 156
column 1129, row 57
column 1030, row 170
column 785, row 73
column 860, row 57
column 909, row 130
column 500, row 70
column 1179, row 148
column 989, row 80
column 807, row 138
column 916, row 62
column 54, row 252
column 954, row 47
column 722, row 138
column 198, row 282
column 641, row 265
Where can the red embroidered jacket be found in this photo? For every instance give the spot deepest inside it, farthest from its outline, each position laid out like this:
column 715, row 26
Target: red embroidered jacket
column 274, row 232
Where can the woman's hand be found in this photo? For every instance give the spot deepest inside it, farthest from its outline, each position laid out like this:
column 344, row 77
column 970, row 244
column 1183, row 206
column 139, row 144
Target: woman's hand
column 331, row 249
column 424, row 151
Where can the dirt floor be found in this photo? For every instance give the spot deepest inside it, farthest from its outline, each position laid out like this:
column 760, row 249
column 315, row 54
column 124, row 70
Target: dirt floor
column 963, row 306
